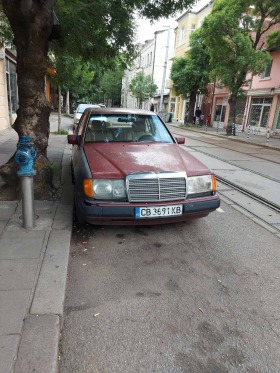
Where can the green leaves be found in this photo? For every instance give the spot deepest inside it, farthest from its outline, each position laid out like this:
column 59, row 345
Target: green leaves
column 273, row 40
column 191, row 72
column 234, row 34
column 6, row 35
column 230, row 33
column 111, row 84
column 142, row 87
column 101, row 29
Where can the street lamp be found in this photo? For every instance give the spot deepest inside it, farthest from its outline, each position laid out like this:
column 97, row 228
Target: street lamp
column 164, row 70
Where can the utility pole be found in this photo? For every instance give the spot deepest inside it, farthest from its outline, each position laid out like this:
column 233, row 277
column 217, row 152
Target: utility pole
column 164, row 71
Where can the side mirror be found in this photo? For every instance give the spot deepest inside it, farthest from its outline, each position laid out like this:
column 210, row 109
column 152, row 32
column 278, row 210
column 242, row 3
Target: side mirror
column 180, row 140
column 72, row 139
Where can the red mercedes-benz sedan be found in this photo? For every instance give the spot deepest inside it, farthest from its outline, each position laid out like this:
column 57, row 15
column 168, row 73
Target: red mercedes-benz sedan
column 129, row 169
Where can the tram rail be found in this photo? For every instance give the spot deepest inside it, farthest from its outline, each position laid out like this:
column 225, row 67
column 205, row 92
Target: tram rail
column 269, row 211
column 257, row 198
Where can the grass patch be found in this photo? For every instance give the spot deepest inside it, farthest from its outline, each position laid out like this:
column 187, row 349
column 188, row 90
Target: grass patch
column 54, row 167
column 61, row 132
column 184, row 125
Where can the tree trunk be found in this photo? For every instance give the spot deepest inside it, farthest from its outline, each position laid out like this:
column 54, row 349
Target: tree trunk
column 31, row 22
column 232, row 111
column 67, row 104
column 59, row 109
column 192, row 105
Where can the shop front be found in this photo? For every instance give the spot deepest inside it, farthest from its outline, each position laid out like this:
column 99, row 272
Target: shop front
column 260, row 111
column 219, row 115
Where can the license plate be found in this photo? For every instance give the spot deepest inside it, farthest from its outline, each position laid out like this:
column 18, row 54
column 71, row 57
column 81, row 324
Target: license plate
column 158, row 211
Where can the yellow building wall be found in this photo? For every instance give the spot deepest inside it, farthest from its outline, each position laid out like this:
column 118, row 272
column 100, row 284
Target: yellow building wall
column 4, row 117
column 189, row 22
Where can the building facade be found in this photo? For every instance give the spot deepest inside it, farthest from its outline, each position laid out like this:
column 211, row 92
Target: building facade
column 263, row 98
column 188, row 22
column 8, row 88
column 258, row 105
column 153, row 60
column 144, row 63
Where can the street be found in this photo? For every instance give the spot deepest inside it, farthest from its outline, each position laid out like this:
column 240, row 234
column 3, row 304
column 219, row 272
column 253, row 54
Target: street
column 193, row 297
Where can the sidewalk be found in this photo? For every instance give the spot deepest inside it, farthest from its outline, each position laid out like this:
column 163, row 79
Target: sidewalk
column 255, row 139
column 33, row 267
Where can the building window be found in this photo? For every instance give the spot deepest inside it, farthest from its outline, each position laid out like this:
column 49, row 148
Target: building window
column 220, row 112
column 12, row 91
column 266, row 73
column 259, row 113
column 192, row 28
column 276, row 122
column 181, row 36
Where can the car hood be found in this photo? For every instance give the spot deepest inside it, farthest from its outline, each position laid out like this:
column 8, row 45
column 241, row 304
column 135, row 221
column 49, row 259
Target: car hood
column 115, row 160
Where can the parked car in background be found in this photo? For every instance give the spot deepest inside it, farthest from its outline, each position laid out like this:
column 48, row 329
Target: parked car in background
column 129, row 169
column 79, row 111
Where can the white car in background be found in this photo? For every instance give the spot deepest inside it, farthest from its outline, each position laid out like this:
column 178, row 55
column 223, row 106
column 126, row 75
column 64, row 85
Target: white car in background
column 79, row 111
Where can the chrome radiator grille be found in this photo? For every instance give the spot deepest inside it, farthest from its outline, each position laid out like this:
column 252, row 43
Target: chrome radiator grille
column 149, row 187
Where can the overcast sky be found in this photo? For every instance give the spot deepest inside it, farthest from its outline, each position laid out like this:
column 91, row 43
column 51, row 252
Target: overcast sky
column 146, row 30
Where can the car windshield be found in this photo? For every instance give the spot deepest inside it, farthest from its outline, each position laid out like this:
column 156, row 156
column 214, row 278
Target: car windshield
column 126, row 128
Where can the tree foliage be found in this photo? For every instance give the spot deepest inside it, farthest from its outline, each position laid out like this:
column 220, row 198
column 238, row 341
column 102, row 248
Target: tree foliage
column 190, row 74
column 273, row 40
column 100, row 29
column 142, row 87
column 73, row 74
column 111, row 85
column 6, row 35
column 94, row 30
column 234, row 34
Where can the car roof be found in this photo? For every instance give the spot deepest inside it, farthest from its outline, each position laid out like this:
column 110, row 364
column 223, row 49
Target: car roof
column 89, row 105
column 119, row 111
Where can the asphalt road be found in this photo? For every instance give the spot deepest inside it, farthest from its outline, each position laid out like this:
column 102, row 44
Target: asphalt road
column 196, row 297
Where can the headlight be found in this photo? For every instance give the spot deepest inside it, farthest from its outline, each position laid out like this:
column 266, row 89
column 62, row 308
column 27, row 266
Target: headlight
column 108, row 189
column 201, row 184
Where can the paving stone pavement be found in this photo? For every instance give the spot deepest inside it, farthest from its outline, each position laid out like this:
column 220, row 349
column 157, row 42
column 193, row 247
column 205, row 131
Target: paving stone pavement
column 33, row 266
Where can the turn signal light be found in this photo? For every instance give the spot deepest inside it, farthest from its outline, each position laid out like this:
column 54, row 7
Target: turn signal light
column 214, row 183
column 88, row 190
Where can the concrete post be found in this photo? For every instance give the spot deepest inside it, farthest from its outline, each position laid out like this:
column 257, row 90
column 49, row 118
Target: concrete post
column 28, row 210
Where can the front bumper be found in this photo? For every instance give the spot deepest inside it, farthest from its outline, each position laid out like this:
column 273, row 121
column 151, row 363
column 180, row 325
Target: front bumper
column 124, row 213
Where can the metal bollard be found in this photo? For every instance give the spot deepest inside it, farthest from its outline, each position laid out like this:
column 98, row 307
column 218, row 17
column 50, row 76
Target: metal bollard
column 249, row 131
column 25, row 156
column 267, row 134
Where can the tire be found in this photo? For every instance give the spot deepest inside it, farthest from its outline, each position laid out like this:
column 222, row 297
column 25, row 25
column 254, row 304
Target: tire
column 72, row 174
column 78, row 216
